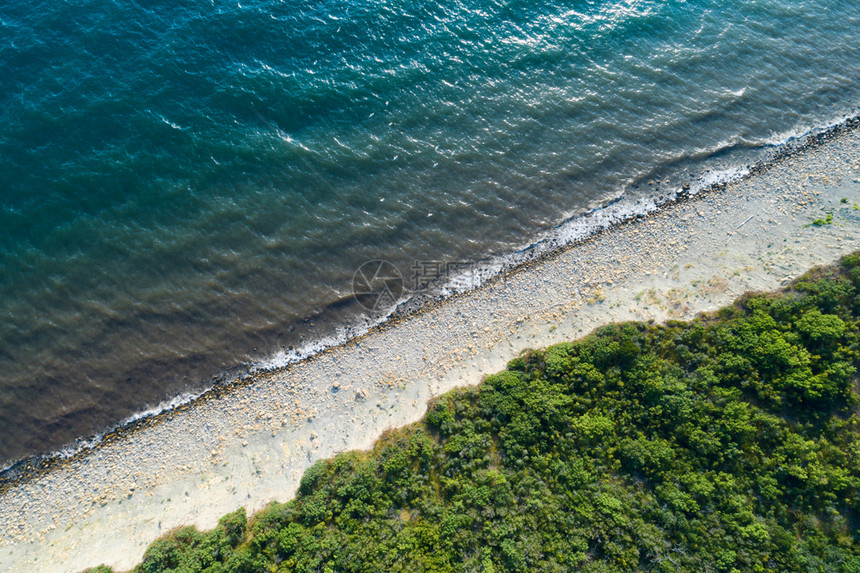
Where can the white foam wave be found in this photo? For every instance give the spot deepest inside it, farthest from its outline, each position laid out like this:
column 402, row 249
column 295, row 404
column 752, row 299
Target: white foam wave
column 359, row 327
column 717, row 177
column 581, row 227
column 783, row 137
column 90, row 442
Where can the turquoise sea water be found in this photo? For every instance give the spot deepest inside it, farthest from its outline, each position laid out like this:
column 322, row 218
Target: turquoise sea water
column 189, row 186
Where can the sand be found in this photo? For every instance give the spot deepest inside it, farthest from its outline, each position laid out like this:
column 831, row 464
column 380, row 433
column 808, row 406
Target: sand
column 250, row 445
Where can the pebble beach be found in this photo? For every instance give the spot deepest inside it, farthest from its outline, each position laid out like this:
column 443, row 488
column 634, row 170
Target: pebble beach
column 248, row 444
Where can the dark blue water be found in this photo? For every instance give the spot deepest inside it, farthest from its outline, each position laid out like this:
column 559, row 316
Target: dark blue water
column 186, row 186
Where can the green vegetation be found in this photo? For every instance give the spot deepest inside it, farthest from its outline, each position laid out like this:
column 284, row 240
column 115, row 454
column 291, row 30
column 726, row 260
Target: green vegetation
column 825, row 221
column 728, row 443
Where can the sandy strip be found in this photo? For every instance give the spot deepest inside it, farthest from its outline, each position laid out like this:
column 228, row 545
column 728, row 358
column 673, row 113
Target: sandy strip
column 252, row 445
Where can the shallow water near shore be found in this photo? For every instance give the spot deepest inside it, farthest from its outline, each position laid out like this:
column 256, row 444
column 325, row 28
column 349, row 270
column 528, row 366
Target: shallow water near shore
column 185, row 189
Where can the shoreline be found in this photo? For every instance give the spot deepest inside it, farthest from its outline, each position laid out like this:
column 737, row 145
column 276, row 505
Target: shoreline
column 250, row 443
column 555, row 240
